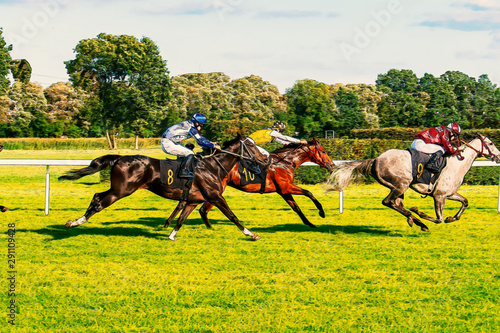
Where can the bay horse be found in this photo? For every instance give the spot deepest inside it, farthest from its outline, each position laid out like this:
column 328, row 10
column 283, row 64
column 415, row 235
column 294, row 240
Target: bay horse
column 393, row 169
column 130, row 173
column 279, row 178
column 3, row 209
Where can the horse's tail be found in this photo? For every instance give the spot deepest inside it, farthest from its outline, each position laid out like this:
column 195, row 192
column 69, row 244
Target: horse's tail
column 345, row 173
column 96, row 165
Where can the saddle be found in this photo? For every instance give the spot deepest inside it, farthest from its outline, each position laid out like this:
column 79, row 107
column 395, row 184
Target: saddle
column 169, row 175
column 251, row 173
column 420, row 174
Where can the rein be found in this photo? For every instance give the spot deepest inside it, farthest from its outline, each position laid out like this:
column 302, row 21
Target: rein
column 244, row 149
column 480, row 153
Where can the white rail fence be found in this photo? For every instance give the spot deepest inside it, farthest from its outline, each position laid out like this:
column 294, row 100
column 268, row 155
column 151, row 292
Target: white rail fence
column 60, row 162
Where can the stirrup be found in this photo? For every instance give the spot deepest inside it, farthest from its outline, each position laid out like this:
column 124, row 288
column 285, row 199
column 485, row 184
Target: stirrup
column 186, row 175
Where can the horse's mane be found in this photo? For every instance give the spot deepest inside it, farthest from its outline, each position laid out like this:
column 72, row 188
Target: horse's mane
column 233, row 141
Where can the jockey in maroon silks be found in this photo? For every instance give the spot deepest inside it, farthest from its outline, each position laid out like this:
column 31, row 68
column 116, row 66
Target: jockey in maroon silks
column 437, row 141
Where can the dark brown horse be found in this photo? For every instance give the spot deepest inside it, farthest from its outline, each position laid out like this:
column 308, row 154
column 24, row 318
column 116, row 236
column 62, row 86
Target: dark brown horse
column 2, row 208
column 130, row 173
column 280, row 176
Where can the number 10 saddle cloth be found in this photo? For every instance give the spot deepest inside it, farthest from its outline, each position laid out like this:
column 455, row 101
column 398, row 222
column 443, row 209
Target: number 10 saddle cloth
column 251, row 173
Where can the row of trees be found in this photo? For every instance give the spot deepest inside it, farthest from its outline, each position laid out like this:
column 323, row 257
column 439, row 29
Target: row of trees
column 120, row 85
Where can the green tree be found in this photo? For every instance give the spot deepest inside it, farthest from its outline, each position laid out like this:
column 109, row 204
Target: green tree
column 486, row 111
column 464, row 88
column 350, row 115
column 5, row 63
column 241, row 105
column 128, row 77
column 29, row 113
column 311, row 108
column 397, row 80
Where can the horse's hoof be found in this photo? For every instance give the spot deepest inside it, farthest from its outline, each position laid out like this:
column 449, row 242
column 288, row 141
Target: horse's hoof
column 4, row 209
column 69, row 224
column 322, row 214
column 449, row 220
column 424, row 229
column 410, row 221
column 255, row 237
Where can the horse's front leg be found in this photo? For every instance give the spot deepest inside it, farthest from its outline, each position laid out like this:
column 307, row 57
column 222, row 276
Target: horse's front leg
column 221, row 203
column 184, row 215
column 463, row 201
column 289, row 200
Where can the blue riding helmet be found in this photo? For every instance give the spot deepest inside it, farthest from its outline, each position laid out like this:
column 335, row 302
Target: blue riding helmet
column 199, row 118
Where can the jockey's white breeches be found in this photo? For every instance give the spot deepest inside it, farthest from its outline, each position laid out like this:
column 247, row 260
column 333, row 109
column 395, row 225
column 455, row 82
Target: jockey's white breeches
column 262, row 151
column 169, row 147
column 428, row 148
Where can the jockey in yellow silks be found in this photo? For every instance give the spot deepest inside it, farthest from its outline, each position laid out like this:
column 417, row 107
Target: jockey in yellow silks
column 275, row 133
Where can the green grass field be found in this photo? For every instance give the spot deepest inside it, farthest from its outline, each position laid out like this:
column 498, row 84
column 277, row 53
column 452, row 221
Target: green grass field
column 364, row 270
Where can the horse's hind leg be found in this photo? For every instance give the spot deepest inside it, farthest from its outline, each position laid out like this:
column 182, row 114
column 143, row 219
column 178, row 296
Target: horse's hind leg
column 395, row 201
column 289, row 200
column 180, row 206
column 184, row 215
column 462, row 200
column 98, row 203
column 204, row 209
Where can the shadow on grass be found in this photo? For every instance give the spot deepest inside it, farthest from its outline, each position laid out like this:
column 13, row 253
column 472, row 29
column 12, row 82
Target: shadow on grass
column 157, row 222
column 58, row 232
column 331, row 229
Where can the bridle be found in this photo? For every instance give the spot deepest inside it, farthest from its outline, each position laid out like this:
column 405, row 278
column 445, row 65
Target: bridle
column 311, row 155
column 244, row 149
column 480, row 153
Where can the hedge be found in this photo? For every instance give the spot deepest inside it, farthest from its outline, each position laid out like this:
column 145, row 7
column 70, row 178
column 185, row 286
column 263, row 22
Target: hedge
column 81, row 143
column 407, row 134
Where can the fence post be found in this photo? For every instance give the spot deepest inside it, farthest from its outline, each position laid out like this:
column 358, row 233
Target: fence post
column 341, row 201
column 47, row 191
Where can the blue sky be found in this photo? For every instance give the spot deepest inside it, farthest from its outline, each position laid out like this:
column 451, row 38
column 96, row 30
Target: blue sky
column 280, row 41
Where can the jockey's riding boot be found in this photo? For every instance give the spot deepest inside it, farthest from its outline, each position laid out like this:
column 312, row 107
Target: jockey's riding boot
column 186, row 167
column 435, row 164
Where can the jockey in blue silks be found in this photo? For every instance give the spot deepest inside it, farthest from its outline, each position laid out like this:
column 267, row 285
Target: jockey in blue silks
column 174, row 135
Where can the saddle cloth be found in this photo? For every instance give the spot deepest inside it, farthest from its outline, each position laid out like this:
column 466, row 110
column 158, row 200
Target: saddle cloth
column 169, row 174
column 250, row 173
column 419, row 173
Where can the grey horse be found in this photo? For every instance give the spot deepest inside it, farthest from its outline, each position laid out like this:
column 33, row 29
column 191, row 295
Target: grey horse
column 393, row 170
